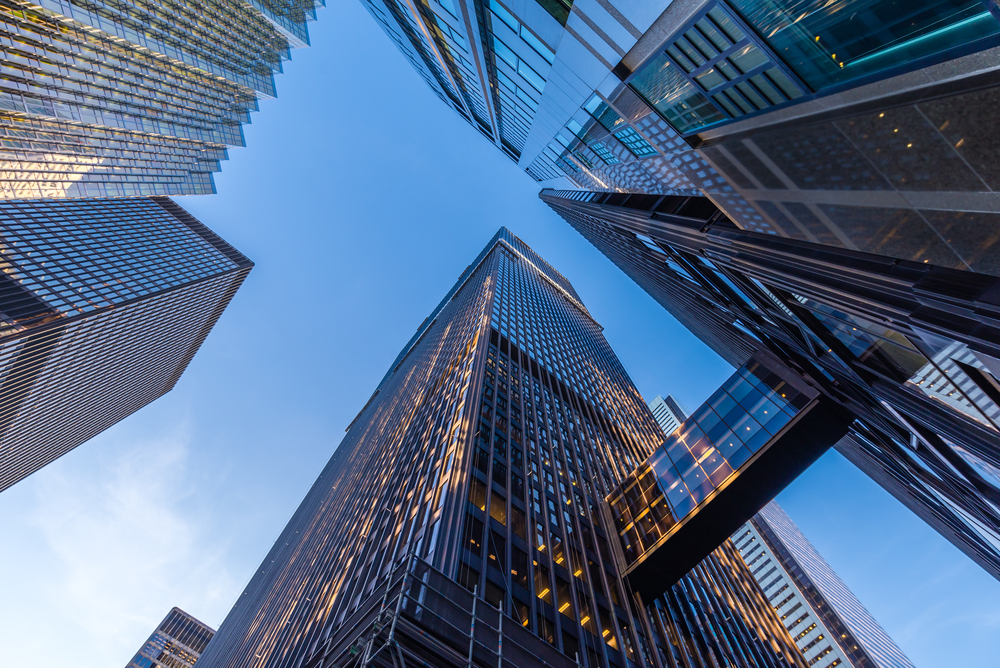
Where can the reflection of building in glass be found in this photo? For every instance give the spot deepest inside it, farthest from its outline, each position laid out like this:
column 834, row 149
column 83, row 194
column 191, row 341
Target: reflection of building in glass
column 480, row 465
column 910, row 349
column 828, row 623
column 860, row 124
column 103, row 303
column 176, row 643
column 102, row 99
column 668, row 413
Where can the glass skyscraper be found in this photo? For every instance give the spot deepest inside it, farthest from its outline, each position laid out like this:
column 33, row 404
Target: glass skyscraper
column 103, row 303
column 668, row 413
column 828, row 623
column 864, row 125
column 106, row 99
column 462, row 521
column 909, row 348
column 176, row 643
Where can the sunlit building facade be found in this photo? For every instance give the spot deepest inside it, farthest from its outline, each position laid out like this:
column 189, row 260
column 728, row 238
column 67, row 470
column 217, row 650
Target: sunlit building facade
column 176, row 643
column 860, row 124
column 102, row 99
column 909, row 348
column 461, row 520
column 103, row 303
column 826, row 621
column 668, row 413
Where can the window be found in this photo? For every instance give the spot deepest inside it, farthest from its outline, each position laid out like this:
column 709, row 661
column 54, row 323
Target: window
column 500, row 12
column 473, row 535
column 477, row 494
column 634, row 142
column 713, row 71
column 507, row 54
column 565, row 601
column 498, row 508
column 542, row 587
column 830, row 43
column 603, row 153
column 518, row 523
column 519, row 567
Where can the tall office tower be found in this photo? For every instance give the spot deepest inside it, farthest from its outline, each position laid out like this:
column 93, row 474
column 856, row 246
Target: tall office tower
column 668, row 413
column 103, row 303
column 176, row 643
column 104, row 99
column 480, row 464
column 826, row 620
column 909, row 348
column 861, row 124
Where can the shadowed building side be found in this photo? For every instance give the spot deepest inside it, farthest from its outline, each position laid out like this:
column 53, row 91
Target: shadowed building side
column 112, row 300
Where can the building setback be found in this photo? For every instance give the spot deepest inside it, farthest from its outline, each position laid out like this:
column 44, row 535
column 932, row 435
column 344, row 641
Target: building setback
column 176, row 643
column 106, row 99
column 911, row 349
column 103, row 303
column 826, row 620
column 480, row 464
column 867, row 130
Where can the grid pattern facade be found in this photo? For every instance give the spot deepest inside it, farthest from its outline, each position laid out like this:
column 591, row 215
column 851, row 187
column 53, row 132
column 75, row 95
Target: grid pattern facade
column 486, row 452
column 110, row 99
column 921, row 382
column 838, row 626
column 176, row 643
column 740, row 418
column 482, row 59
column 668, row 413
column 97, row 321
column 862, row 125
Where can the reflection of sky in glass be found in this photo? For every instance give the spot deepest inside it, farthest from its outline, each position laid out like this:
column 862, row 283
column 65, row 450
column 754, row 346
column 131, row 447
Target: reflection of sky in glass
column 726, row 431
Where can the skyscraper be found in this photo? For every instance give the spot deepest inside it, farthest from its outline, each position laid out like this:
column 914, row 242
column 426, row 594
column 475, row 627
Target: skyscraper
column 176, row 643
column 103, row 303
column 826, row 620
column 480, row 464
column 103, row 99
column 668, row 413
column 861, row 124
column 909, row 348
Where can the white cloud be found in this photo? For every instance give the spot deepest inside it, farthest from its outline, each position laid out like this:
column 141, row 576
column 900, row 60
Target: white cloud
column 108, row 540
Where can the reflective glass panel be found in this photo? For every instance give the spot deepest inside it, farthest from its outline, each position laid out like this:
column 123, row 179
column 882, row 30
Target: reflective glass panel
column 827, row 42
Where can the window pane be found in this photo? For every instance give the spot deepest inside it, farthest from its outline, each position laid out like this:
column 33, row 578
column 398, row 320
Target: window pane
column 675, row 97
column 827, row 43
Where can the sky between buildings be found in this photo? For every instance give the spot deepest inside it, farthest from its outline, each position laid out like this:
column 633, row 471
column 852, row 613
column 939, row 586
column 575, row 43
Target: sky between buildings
column 362, row 198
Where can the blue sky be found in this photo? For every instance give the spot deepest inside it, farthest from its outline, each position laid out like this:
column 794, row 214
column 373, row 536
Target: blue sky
column 362, row 198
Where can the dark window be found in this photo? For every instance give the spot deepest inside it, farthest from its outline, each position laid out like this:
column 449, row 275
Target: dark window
column 519, row 567
column 499, row 474
column 517, row 486
column 482, row 461
column 473, row 539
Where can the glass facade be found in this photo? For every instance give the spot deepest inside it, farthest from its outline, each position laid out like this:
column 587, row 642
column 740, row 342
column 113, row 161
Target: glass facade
column 882, row 337
column 858, row 124
column 103, row 303
column 176, row 643
column 737, row 421
column 829, row 43
column 668, row 413
column 746, row 57
column 828, row 623
column 105, row 99
column 483, row 457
